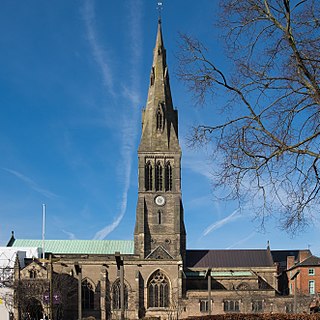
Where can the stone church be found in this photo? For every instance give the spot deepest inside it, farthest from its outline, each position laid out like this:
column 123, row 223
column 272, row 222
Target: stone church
column 154, row 276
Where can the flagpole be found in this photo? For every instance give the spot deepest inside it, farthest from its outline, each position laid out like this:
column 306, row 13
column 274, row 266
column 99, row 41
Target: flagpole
column 43, row 229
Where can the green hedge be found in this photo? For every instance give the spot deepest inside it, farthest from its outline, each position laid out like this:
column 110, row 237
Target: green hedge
column 267, row 316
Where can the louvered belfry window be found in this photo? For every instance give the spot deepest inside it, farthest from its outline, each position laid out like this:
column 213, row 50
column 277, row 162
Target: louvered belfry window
column 168, row 180
column 148, row 176
column 159, row 176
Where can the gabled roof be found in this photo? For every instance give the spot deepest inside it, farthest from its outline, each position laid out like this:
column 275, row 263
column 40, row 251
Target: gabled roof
column 281, row 255
column 228, row 258
column 79, row 246
column 159, row 253
column 311, row 261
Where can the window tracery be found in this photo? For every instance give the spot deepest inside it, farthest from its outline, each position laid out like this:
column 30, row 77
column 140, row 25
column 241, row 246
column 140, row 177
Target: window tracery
column 116, row 295
column 243, row 286
column 87, row 295
column 158, row 290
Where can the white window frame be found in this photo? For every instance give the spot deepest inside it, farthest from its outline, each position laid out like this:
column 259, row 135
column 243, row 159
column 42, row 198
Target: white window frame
column 312, row 287
column 311, row 272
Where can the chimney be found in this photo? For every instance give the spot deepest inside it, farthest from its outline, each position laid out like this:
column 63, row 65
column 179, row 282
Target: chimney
column 290, row 261
column 304, row 254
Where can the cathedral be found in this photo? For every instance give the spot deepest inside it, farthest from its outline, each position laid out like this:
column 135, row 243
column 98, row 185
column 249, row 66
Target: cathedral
column 154, row 276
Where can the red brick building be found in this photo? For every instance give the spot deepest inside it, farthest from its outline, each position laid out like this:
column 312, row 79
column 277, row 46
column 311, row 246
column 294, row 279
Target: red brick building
column 304, row 274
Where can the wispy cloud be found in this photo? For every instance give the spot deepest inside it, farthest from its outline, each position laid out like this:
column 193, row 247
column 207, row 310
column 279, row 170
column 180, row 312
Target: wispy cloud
column 128, row 118
column 197, row 161
column 31, row 184
column 101, row 234
column 236, row 244
column 98, row 52
column 198, row 166
column 127, row 147
column 71, row 235
column 205, row 200
column 219, row 224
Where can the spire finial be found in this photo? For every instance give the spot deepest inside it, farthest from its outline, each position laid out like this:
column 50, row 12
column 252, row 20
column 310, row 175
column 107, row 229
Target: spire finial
column 159, row 8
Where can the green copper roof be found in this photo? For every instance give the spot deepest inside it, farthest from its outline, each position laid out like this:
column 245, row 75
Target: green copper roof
column 79, row 246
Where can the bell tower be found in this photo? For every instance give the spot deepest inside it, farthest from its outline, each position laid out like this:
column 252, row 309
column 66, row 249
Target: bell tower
column 159, row 230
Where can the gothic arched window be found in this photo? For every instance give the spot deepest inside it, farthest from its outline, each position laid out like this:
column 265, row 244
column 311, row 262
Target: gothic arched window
column 158, row 176
column 159, row 119
column 168, row 180
column 116, row 295
column 148, row 176
column 32, row 274
column 87, row 295
column 158, row 290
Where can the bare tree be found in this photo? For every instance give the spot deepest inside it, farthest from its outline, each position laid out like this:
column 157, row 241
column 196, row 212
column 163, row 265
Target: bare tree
column 6, row 284
column 29, row 296
column 267, row 143
column 32, row 296
column 176, row 307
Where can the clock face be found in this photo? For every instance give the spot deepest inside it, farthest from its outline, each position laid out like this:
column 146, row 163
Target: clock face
column 160, row 200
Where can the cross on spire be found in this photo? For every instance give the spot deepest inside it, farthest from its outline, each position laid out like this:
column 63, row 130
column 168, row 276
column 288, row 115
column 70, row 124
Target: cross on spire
column 159, row 8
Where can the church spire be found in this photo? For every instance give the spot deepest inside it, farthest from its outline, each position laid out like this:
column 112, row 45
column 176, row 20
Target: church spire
column 159, row 89
column 159, row 231
column 160, row 121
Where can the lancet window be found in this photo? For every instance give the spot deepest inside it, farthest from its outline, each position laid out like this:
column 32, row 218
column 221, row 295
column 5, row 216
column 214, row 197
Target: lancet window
column 160, row 119
column 152, row 77
column 159, row 217
column 32, row 274
column 116, row 295
column 87, row 295
column 159, row 176
column 168, row 179
column 158, row 290
column 148, row 176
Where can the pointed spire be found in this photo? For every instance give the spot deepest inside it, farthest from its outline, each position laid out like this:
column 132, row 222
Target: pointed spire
column 159, row 40
column 11, row 240
column 160, row 120
column 159, row 90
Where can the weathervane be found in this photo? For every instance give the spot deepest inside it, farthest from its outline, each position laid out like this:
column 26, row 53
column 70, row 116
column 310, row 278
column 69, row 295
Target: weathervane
column 159, row 8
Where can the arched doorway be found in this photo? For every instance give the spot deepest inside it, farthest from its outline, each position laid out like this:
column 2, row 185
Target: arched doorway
column 34, row 310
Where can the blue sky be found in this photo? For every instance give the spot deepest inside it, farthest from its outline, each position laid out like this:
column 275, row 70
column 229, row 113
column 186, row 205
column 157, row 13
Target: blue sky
column 74, row 78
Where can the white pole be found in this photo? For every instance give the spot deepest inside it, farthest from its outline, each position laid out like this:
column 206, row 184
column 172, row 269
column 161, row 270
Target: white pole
column 43, row 229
